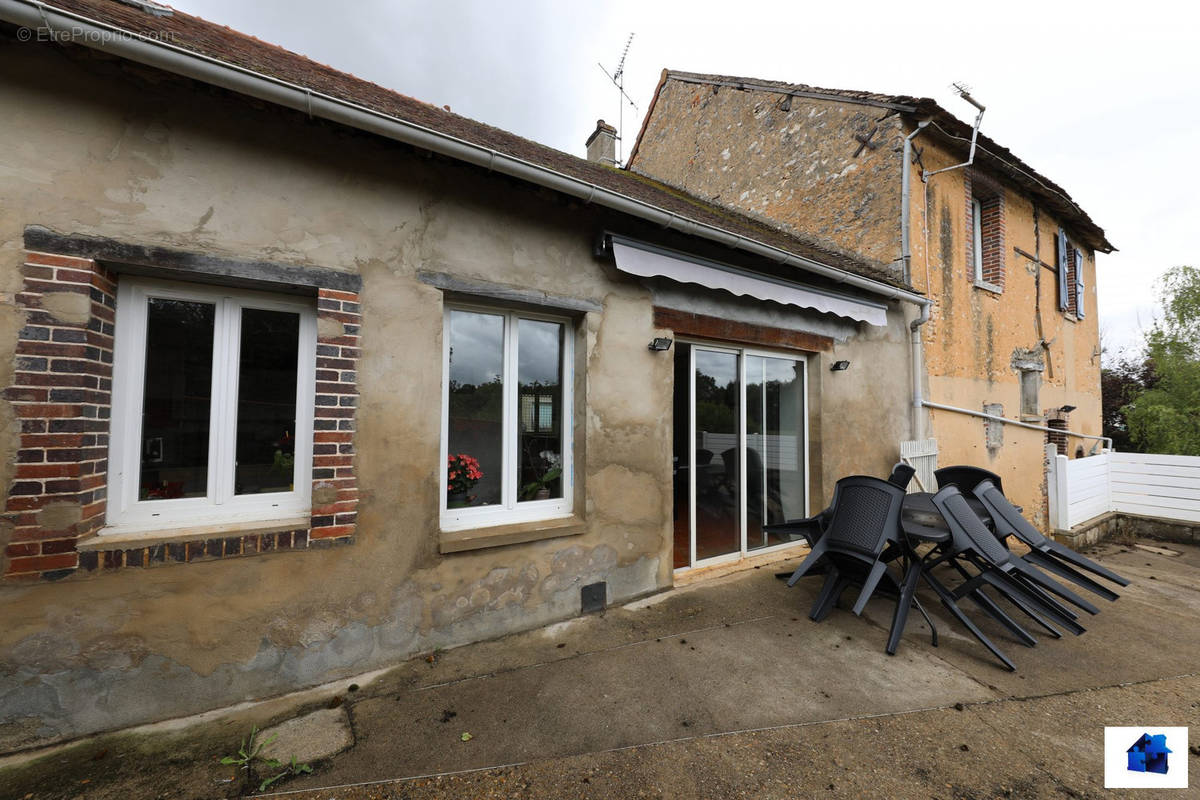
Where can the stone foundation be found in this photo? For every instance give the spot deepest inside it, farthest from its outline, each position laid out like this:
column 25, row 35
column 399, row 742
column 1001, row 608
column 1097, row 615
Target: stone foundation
column 1113, row 526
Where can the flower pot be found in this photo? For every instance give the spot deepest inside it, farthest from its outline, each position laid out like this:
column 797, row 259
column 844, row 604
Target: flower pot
column 542, row 494
column 457, row 500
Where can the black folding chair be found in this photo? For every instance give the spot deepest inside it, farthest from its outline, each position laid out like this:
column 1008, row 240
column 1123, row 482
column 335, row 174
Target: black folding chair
column 901, row 474
column 808, row 528
column 965, row 477
column 971, row 543
column 1043, row 552
column 865, row 520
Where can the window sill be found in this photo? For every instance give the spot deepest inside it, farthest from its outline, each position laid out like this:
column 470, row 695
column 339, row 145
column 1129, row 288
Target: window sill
column 119, row 538
column 501, row 535
column 988, row 287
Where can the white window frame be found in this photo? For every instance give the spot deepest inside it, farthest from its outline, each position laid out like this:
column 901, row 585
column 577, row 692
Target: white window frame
column 510, row 510
column 977, row 237
column 125, row 512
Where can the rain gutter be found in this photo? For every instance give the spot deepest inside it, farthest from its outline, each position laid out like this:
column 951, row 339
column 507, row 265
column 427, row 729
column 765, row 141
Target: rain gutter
column 181, row 61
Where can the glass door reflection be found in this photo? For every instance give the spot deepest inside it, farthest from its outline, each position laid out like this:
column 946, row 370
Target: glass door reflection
column 717, row 473
column 775, row 446
column 740, row 450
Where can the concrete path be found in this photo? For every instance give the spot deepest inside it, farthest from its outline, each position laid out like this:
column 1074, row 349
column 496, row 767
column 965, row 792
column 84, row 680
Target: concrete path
column 726, row 689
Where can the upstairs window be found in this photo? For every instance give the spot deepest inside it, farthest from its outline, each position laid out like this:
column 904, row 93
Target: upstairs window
column 507, row 421
column 977, row 240
column 212, row 406
column 1070, row 263
column 985, row 229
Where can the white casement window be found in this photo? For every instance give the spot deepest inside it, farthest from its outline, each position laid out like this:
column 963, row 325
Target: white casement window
column 506, row 417
column 977, row 237
column 212, row 406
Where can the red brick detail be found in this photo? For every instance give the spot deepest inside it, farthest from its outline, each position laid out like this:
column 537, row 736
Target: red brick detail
column 61, row 394
column 991, row 201
column 686, row 323
column 198, row 550
column 335, row 486
column 1058, row 423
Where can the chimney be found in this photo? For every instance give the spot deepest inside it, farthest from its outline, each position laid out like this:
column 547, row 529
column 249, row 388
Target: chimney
column 602, row 144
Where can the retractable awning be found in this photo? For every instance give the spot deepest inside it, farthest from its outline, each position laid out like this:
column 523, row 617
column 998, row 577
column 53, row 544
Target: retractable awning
column 649, row 261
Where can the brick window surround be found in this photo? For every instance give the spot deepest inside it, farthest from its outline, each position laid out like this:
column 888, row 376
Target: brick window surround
column 61, row 395
column 991, row 200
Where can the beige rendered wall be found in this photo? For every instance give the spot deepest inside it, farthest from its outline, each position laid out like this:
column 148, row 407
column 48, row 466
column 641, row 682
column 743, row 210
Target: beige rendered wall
column 976, row 336
column 93, row 147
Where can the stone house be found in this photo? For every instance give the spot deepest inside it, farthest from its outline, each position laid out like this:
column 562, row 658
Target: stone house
column 1006, row 256
column 253, row 307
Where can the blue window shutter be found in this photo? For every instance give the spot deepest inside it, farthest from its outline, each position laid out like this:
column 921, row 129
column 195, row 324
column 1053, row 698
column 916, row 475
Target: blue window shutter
column 1064, row 298
column 1079, row 283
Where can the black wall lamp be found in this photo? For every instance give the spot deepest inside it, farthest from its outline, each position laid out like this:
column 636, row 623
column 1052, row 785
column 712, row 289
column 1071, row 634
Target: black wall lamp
column 661, row 343
column 839, row 366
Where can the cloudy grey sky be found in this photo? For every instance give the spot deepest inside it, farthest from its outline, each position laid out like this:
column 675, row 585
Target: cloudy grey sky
column 1103, row 98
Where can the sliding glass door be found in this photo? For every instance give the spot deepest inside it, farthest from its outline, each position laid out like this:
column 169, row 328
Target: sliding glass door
column 740, row 450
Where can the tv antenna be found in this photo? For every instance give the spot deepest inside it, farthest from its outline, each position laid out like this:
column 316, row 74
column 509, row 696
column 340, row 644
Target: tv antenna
column 618, row 79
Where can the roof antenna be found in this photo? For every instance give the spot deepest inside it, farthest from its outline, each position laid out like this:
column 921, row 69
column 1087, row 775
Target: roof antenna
column 618, row 79
column 963, row 91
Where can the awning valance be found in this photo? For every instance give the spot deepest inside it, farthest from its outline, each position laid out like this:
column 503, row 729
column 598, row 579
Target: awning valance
column 649, row 261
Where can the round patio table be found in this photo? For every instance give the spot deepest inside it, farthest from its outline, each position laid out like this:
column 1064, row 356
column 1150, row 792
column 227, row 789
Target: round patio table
column 920, row 518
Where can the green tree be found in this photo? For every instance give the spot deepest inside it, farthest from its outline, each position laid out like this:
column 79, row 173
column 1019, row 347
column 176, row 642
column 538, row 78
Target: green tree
column 1166, row 417
column 1121, row 381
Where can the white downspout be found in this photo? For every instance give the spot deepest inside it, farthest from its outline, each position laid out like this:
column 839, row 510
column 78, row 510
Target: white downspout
column 918, row 410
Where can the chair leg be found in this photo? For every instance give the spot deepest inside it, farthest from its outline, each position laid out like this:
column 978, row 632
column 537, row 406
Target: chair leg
column 818, row 552
column 953, row 608
column 869, row 584
column 1033, row 615
column 1021, row 594
column 1070, row 556
column 1046, row 599
column 903, row 602
column 933, row 632
column 1052, row 565
column 827, row 598
column 1033, row 574
column 994, row 611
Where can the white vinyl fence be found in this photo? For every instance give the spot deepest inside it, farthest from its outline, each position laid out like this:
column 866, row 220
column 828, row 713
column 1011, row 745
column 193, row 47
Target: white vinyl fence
column 1147, row 485
column 921, row 455
column 780, row 452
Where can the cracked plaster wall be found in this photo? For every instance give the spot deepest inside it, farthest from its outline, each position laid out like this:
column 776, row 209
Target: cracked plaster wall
column 93, row 147
column 977, row 341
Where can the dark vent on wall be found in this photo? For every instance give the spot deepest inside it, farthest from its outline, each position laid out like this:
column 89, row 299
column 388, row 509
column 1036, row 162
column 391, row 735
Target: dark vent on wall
column 593, row 597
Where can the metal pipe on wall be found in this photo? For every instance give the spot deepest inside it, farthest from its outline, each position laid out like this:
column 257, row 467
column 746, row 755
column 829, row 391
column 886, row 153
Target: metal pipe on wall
column 1016, row 423
column 918, row 390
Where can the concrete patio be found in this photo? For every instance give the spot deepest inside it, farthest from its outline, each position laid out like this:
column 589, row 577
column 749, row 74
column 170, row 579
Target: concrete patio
column 719, row 689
